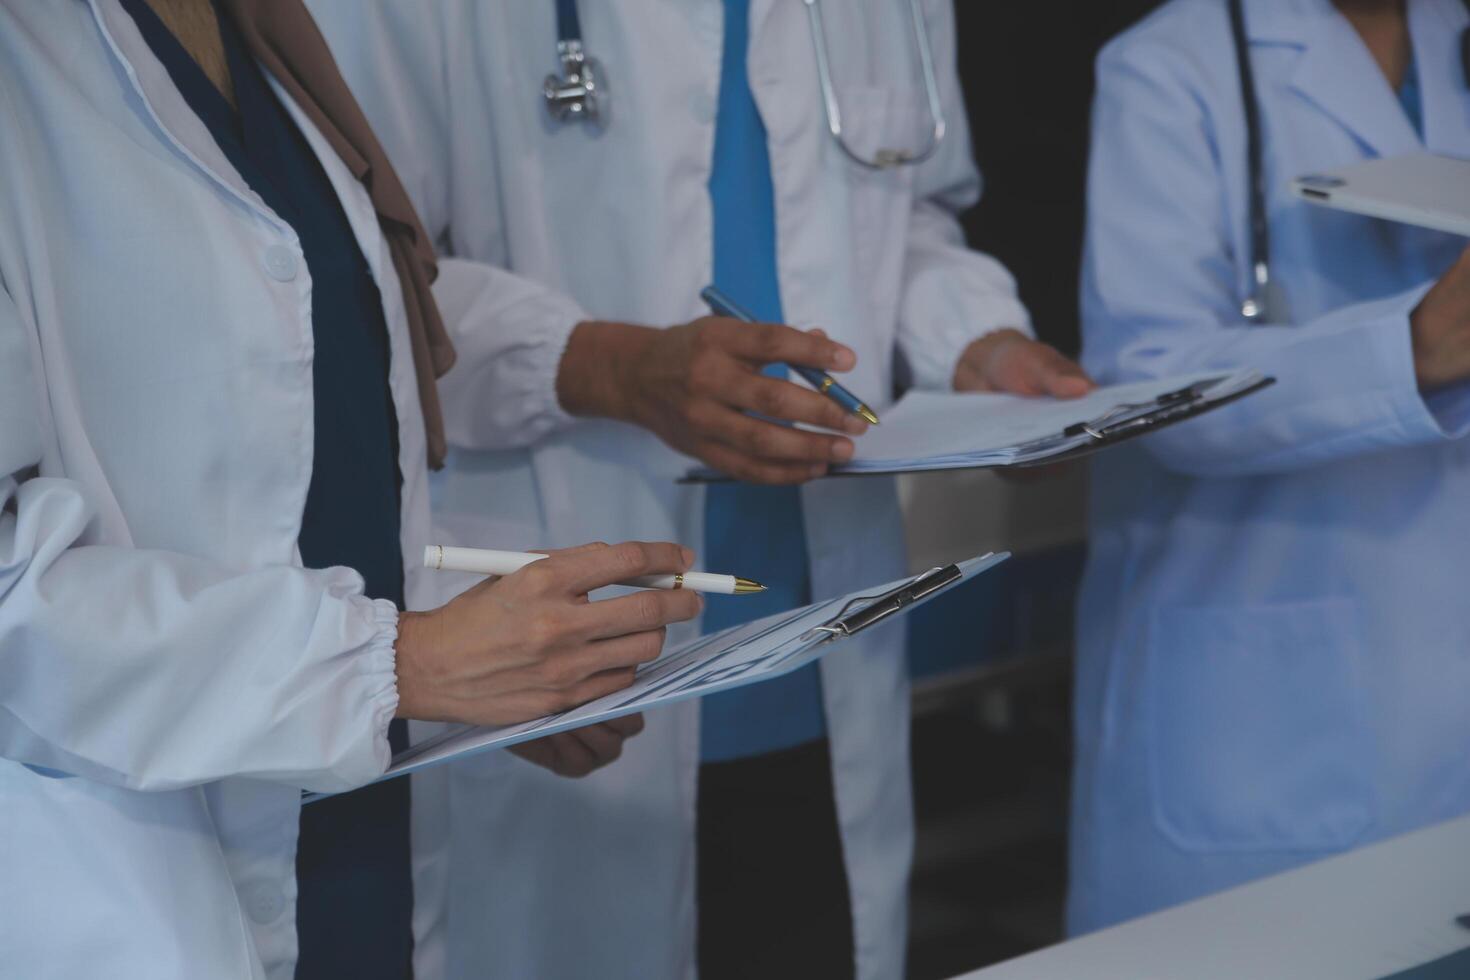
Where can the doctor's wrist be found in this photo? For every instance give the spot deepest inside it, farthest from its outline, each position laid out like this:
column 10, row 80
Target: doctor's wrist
column 417, row 633
column 596, row 378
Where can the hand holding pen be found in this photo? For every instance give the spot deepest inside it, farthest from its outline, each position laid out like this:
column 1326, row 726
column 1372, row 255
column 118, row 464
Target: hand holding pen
column 820, row 380
column 700, row 389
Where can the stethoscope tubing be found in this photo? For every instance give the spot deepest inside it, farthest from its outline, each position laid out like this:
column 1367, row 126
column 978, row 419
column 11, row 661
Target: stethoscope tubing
column 1254, row 306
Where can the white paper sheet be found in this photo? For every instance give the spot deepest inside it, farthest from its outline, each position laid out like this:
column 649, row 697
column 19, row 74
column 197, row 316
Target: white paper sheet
column 929, row 429
column 937, row 431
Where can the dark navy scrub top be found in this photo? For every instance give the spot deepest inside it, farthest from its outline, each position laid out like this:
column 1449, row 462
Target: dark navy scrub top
column 355, row 890
column 750, row 530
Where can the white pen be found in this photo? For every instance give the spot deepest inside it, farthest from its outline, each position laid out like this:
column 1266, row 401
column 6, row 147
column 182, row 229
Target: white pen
column 444, row 558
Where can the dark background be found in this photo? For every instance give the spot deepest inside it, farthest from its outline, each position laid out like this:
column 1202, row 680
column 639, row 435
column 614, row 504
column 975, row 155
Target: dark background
column 1027, row 72
column 992, row 733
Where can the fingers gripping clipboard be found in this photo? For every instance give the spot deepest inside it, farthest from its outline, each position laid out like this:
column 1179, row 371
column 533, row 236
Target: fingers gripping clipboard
column 1132, row 421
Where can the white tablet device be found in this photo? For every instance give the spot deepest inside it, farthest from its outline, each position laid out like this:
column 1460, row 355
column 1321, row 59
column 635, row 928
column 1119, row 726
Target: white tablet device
column 1419, row 189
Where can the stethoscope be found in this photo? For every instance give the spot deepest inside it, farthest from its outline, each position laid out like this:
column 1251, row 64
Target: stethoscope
column 1256, row 307
column 579, row 93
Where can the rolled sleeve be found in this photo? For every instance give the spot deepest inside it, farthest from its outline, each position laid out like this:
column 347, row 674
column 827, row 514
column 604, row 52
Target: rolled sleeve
column 1345, row 386
column 379, row 669
column 511, row 334
column 952, row 297
column 155, row 670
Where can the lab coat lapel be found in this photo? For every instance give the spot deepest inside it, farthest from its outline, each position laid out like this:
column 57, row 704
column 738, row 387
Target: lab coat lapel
column 166, row 104
column 1337, row 73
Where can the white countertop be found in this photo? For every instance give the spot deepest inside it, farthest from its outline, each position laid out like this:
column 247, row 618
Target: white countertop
column 1359, row 916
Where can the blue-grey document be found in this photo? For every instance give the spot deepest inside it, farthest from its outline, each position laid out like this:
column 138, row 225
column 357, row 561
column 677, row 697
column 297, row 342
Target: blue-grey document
column 947, row 430
column 747, row 654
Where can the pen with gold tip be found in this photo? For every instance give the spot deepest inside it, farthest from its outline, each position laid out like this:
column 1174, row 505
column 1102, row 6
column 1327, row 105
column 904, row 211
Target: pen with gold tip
column 820, row 380
column 445, row 558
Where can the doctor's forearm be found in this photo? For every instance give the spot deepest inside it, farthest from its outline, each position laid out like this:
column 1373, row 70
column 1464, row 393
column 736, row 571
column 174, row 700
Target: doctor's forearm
column 1346, row 386
column 97, row 643
column 593, row 379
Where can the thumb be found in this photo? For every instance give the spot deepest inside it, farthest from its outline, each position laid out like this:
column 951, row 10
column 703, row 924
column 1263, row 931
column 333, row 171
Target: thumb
column 1063, row 377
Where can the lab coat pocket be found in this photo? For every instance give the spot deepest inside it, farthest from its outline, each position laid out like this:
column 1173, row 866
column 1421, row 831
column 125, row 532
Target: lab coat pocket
column 1257, row 738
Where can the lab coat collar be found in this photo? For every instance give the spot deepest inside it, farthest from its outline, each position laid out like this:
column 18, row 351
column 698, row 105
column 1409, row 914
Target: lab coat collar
column 1286, row 21
column 166, row 105
column 1337, row 73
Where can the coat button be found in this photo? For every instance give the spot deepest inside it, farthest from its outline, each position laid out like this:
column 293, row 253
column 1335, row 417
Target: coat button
column 281, row 263
column 265, row 903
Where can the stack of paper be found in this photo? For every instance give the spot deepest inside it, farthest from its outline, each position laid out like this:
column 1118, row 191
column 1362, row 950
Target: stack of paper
column 933, row 431
column 756, row 651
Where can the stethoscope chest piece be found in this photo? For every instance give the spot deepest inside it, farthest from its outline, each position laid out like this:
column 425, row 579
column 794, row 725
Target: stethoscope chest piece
column 579, row 93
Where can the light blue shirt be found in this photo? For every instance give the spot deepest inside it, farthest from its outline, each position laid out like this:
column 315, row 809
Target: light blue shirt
column 752, row 530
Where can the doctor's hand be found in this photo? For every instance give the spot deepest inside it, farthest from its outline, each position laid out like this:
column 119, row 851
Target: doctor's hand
column 582, row 750
column 693, row 386
column 530, row 644
column 1440, row 328
column 1009, row 361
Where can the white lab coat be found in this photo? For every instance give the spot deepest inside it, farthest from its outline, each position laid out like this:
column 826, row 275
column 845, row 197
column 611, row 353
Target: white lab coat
column 1273, row 639
column 158, row 638
column 519, row 873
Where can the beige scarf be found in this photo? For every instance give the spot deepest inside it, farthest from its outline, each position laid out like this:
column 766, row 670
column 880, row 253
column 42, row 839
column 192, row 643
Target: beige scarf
column 284, row 38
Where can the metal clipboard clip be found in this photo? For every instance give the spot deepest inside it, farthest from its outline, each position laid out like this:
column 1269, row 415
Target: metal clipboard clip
column 1129, row 418
column 880, row 607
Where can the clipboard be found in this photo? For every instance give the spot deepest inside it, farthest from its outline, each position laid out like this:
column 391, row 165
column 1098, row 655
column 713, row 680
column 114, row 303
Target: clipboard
column 746, row 654
column 1116, row 423
column 1128, row 422
column 868, row 611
